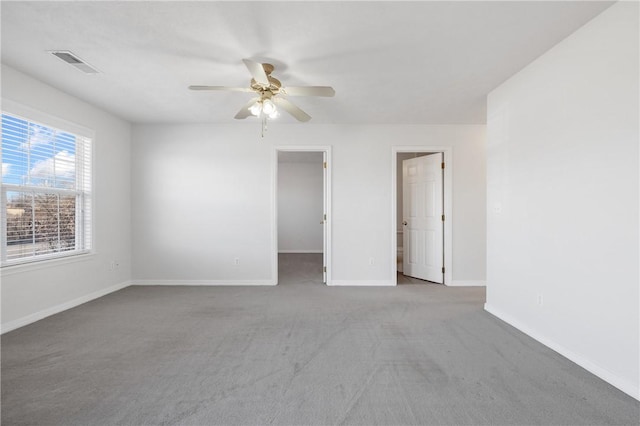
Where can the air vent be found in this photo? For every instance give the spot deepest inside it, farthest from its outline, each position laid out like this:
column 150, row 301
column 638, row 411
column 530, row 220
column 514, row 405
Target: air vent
column 72, row 59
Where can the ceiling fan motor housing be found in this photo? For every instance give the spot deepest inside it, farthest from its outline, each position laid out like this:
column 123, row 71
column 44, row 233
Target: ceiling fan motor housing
column 274, row 86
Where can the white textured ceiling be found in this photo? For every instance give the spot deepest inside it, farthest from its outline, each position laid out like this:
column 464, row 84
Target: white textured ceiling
column 389, row 62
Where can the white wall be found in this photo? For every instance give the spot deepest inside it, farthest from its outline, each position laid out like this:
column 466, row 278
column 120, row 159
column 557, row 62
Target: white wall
column 300, row 203
column 563, row 198
column 201, row 196
column 30, row 292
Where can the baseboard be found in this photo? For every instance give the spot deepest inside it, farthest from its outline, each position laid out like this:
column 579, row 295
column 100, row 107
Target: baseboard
column 37, row 316
column 203, row 282
column 299, row 251
column 467, row 283
column 619, row 382
column 362, row 283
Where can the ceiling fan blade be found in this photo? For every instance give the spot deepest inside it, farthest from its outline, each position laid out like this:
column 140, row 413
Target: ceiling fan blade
column 296, row 112
column 244, row 111
column 325, row 91
column 229, row 89
column 257, row 72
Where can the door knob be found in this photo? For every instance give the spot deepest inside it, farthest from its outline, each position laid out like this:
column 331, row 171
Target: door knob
column 404, row 223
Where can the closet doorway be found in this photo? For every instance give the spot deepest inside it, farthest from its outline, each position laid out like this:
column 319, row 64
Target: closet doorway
column 421, row 214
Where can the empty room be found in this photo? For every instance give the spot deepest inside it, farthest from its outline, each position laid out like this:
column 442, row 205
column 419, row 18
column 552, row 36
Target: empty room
column 320, row 213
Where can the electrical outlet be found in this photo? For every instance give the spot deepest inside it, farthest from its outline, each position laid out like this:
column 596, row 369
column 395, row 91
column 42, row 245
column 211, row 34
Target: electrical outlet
column 236, row 261
column 540, row 300
column 372, row 261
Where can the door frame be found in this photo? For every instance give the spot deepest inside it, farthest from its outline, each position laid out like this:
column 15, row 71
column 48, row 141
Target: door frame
column 326, row 149
column 447, row 191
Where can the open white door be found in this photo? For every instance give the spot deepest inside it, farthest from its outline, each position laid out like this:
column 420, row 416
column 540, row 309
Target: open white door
column 324, row 217
column 422, row 207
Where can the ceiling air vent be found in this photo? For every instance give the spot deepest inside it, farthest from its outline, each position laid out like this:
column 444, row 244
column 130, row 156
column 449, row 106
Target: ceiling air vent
column 72, row 59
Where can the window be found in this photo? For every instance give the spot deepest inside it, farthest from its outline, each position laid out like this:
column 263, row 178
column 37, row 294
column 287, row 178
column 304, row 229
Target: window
column 46, row 192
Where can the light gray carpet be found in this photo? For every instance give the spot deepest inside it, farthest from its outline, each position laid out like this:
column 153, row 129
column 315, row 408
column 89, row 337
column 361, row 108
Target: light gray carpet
column 404, row 279
column 298, row 353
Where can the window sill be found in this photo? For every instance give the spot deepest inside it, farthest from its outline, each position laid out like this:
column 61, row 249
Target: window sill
column 33, row 265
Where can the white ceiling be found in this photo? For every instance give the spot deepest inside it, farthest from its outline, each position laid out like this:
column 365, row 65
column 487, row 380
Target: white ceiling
column 389, row 62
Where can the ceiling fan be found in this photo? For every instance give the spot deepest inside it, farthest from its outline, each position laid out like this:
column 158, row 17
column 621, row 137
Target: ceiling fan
column 270, row 93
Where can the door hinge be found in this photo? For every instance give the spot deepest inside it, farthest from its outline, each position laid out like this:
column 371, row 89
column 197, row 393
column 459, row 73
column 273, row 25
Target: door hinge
column 324, row 165
column 443, row 218
column 443, row 269
column 442, row 164
column 324, row 269
column 325, row 217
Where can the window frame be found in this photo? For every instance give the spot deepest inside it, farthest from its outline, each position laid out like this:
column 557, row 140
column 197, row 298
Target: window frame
column 84, row 220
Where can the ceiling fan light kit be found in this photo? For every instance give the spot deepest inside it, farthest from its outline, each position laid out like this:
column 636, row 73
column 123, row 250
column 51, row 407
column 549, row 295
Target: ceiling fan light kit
column 264, row 106
column 270, row 95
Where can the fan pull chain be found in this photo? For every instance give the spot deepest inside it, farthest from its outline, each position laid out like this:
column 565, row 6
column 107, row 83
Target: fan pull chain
column 264, row 124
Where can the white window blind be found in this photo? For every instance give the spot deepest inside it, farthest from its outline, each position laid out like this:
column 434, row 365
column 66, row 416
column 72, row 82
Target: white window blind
column 46, row 191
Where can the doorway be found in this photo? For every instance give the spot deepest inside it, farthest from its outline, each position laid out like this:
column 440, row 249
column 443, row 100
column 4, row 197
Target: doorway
column 421, row 240
column 301, row 219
